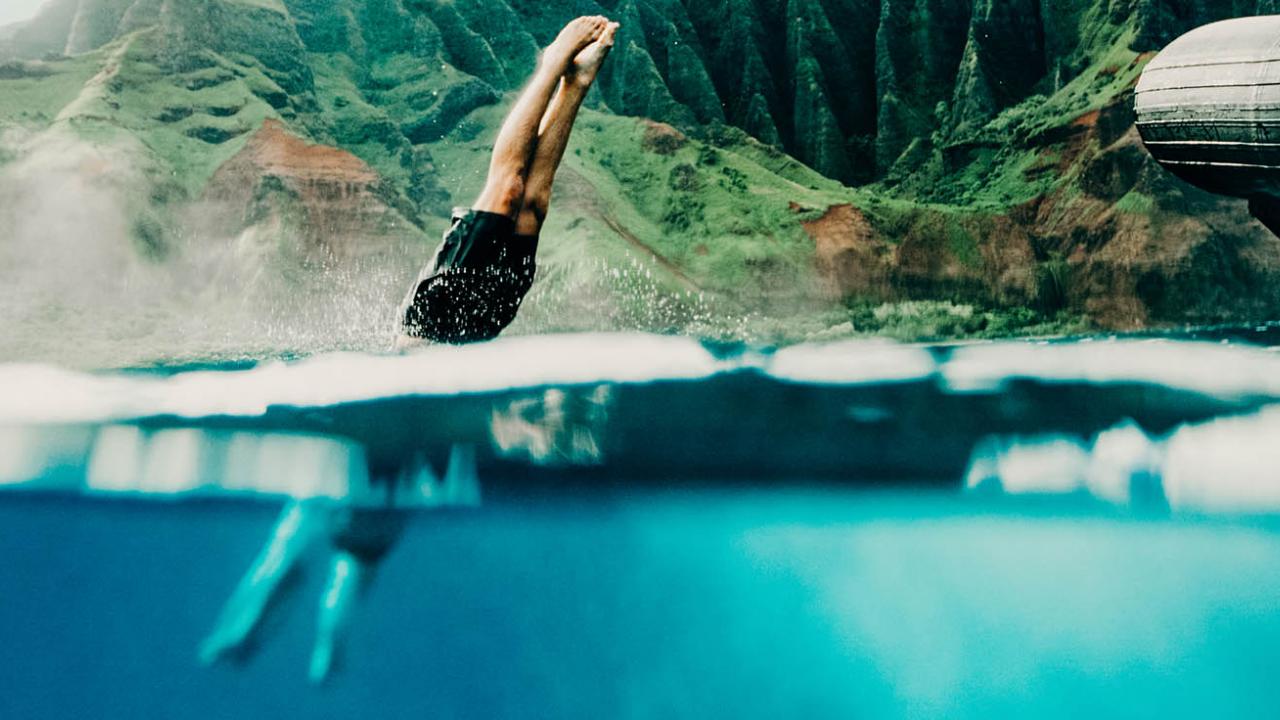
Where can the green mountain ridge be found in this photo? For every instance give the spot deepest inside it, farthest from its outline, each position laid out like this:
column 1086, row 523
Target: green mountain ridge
column 770, row 168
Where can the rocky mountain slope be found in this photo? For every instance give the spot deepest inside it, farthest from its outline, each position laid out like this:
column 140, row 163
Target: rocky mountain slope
column 829, row 163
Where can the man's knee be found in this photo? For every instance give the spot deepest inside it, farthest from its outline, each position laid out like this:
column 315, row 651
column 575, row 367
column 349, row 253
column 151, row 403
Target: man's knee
column 537, row 202
column 505, row 196
column 532, row 213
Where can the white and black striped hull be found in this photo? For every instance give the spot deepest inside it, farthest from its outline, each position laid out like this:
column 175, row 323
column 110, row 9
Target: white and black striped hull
column 1208, row 107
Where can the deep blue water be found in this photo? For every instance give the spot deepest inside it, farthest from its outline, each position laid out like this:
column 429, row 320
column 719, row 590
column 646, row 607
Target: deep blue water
column 792, row 604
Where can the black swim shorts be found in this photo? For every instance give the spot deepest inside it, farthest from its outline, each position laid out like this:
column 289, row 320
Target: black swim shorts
column 367, row 533
column 473, row 287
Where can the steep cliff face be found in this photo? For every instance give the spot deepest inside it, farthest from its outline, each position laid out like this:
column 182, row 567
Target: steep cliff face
column 782, row 154
column 852, row 88
column 339, row 205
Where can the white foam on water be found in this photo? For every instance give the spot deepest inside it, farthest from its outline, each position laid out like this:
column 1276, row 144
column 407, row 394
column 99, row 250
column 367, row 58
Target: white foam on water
column 59, row 427
column 1225, row 371
column 299, row 466
column 44, row 394
column 1226, row 465
column 1117, row 457
column 127, row 459
column 40, row 394
column 53, row 455
column 1049, row 464
column 854, row 362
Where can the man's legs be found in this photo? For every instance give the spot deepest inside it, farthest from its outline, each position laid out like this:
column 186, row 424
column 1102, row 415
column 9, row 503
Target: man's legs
column 513, row 151
column 451, row 306
column 556, row 128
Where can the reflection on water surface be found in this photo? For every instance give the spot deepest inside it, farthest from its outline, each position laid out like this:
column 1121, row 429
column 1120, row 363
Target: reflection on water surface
column 648, row 524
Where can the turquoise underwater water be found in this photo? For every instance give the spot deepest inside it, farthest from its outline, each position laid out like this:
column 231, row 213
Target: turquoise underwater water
column 650, row 527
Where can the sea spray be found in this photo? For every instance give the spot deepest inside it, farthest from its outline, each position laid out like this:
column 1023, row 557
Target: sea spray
column 89, row 276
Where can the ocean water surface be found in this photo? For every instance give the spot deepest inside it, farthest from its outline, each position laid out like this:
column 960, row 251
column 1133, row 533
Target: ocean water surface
column 648, row 526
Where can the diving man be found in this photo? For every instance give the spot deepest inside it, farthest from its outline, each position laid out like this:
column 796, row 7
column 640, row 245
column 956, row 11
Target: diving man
column 469, row 292
column 473, row 287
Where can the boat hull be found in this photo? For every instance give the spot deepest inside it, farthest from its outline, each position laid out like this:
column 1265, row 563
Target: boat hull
column 1208, row 107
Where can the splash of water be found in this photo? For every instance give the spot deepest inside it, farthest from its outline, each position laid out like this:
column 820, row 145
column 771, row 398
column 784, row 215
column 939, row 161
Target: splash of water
column 79, row 287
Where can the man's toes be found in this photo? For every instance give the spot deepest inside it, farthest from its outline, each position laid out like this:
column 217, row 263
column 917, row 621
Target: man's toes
column 588, row 29
column 606, row 37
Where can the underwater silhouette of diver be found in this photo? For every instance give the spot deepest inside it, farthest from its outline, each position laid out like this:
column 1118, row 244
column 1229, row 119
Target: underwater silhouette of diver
column 470, row 291
column 361, row 529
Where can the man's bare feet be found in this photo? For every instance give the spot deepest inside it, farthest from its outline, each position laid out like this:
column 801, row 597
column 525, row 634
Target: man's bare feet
column 575, row 36
column 588, row 62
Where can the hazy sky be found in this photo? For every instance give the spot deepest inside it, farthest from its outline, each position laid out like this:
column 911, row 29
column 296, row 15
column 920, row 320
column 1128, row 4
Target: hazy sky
column 14, row 10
